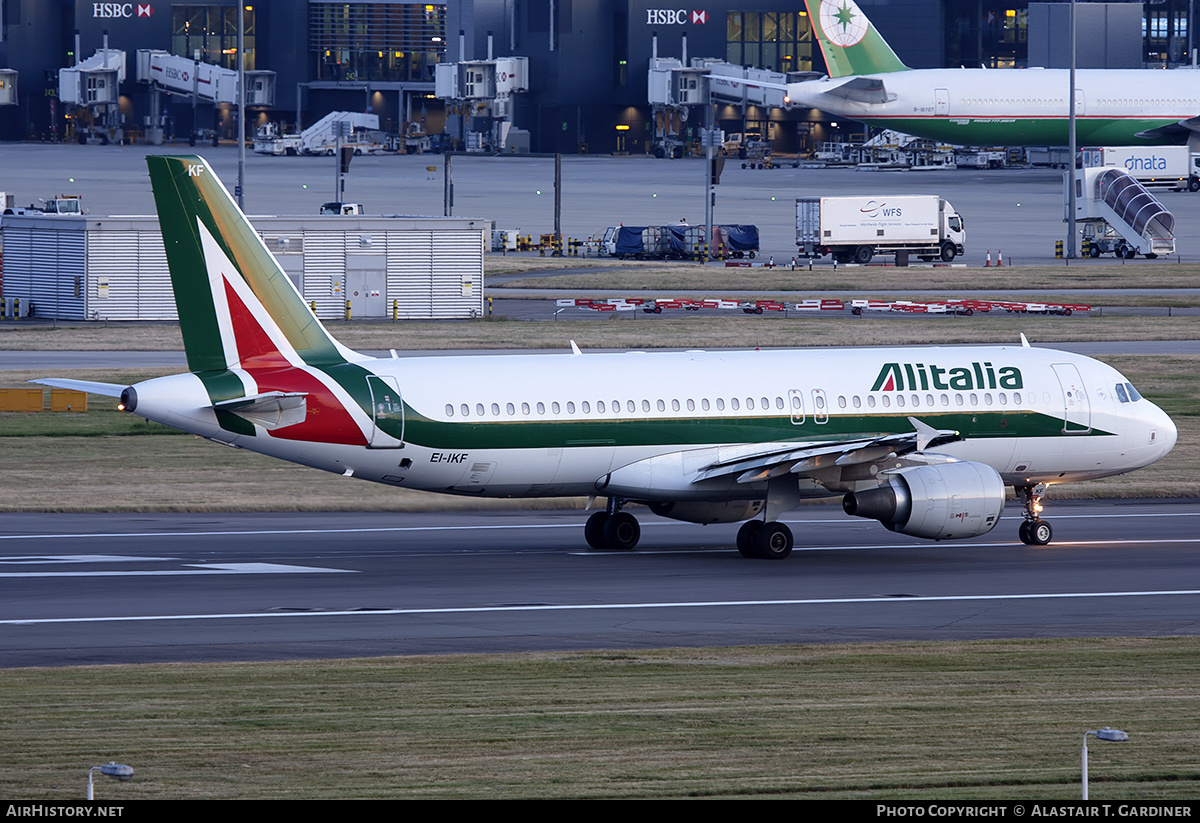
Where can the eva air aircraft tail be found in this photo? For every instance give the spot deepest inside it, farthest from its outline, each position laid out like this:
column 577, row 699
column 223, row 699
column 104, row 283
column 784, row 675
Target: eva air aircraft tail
column 922, row 439
column 849, row 43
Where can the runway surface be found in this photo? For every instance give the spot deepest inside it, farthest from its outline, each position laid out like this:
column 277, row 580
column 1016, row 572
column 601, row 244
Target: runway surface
column 110, row 588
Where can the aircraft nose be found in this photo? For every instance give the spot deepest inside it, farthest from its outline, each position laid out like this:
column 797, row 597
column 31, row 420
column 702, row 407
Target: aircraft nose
column 1163, row 431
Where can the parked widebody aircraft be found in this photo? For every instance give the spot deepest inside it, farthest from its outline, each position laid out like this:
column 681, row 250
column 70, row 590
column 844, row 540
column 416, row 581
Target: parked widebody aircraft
column 991, row 107
column 922, row 439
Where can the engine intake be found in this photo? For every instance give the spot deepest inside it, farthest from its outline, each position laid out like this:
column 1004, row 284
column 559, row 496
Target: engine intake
column 942, row 502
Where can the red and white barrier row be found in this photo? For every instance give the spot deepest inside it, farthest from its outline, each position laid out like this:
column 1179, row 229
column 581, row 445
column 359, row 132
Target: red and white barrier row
column 963, row 307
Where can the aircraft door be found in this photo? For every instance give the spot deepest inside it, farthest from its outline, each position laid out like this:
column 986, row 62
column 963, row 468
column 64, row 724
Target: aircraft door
column 1077, row 409
column 1080, row 103
column 387, row 413
column 818, row 405
column 796, row 402
column 941, row 102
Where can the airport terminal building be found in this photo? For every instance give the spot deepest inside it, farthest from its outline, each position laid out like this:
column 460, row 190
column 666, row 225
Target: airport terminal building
column 587, row 76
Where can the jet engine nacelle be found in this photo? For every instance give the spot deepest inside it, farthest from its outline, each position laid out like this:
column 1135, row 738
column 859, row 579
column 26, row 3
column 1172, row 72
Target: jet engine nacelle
column 708, row 511
column 939, row 502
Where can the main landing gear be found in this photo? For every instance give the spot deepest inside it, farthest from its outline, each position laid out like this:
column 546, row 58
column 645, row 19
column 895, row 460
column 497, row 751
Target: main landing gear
column 1034, row 531
column 616, row 530
column 612, row 529
column 769, row 540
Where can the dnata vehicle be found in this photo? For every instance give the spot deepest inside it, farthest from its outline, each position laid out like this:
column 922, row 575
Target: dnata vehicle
column 922, row 439
column 1170, row 167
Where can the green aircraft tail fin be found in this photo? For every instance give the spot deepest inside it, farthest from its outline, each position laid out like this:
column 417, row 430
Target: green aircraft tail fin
column 212, row 250
column 849, row 43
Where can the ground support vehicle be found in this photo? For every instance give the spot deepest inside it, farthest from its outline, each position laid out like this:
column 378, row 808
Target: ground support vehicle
column 1170, row 167
column 1118, row 214
column 855, row 229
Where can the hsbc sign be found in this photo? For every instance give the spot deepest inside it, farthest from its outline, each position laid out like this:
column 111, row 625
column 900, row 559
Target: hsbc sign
column 108, row 11
column 675, row 17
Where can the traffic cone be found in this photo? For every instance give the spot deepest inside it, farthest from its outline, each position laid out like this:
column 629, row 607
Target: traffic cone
column 999, row 258
column 989, row 259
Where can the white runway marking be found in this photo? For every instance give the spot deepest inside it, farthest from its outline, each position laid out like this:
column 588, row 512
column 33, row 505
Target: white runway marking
column 190, row 569
column 703, row 604
column 502, row 527
column 44, row 559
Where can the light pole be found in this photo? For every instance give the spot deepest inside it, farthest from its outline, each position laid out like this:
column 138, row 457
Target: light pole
column 117, row 771
column 1113, row 735
column 1071, row 240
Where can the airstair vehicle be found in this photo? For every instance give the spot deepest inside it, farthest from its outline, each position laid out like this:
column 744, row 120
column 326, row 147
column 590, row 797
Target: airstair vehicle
column 1119, row 215
column 319, row 138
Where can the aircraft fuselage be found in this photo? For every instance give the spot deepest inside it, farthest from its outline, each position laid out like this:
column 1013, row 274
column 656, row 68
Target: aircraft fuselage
column 1017, row 107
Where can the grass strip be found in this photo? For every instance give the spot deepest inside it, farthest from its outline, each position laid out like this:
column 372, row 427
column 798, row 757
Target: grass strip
column 916, row 721
column 637, row 330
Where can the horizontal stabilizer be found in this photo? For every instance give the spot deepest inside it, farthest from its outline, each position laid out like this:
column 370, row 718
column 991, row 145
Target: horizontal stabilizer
column 862, row 90
column 271, row 410
column 89, row 386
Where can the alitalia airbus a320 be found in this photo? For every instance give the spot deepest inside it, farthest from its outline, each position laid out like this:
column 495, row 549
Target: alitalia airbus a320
column 923, row 439
column 990, row 107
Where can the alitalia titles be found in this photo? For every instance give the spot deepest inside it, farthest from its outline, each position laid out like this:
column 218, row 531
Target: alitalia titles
column 925, row 376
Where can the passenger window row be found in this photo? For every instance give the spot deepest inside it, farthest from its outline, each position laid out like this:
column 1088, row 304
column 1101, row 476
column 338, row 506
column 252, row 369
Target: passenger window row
column 619, row 408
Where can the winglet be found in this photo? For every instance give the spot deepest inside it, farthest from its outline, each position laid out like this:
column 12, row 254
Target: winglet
column 575, row 349
column 1024, row 341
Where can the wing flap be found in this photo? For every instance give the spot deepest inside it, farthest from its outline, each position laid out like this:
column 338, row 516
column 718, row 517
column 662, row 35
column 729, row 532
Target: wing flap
column 771, row 460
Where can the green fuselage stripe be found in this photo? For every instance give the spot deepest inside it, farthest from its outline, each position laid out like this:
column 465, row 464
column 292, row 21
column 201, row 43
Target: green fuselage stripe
column 1026, row 130
column 708, row 431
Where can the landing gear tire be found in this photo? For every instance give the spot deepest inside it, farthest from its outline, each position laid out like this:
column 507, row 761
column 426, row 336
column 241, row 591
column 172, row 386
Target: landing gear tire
column 1036, row 533
column 746, row 544
column 773, row 541
column 593, row 530
column 621, row 532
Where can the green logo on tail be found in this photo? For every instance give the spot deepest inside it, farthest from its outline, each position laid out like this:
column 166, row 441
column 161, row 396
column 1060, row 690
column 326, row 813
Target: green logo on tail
column 849, row 42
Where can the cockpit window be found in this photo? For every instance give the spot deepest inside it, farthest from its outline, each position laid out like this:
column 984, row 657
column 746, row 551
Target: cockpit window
column 1133, row 393
column 1121, row 395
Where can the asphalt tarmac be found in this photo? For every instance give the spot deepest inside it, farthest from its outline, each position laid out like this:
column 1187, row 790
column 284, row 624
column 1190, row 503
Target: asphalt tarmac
column 1017, row 212
column 113, row 588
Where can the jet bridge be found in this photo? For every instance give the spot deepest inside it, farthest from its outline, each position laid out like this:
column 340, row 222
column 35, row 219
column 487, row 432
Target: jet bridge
column 1120, row 216
column 92, row 88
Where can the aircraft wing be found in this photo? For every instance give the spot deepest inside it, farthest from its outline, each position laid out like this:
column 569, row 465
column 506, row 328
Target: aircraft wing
column 723, row 468
column 801, row 459
column 861, row 90
column 1182, row 129
column 90, row 386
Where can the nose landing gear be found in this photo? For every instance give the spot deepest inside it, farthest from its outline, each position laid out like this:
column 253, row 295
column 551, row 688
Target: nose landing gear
column 1034, row 531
